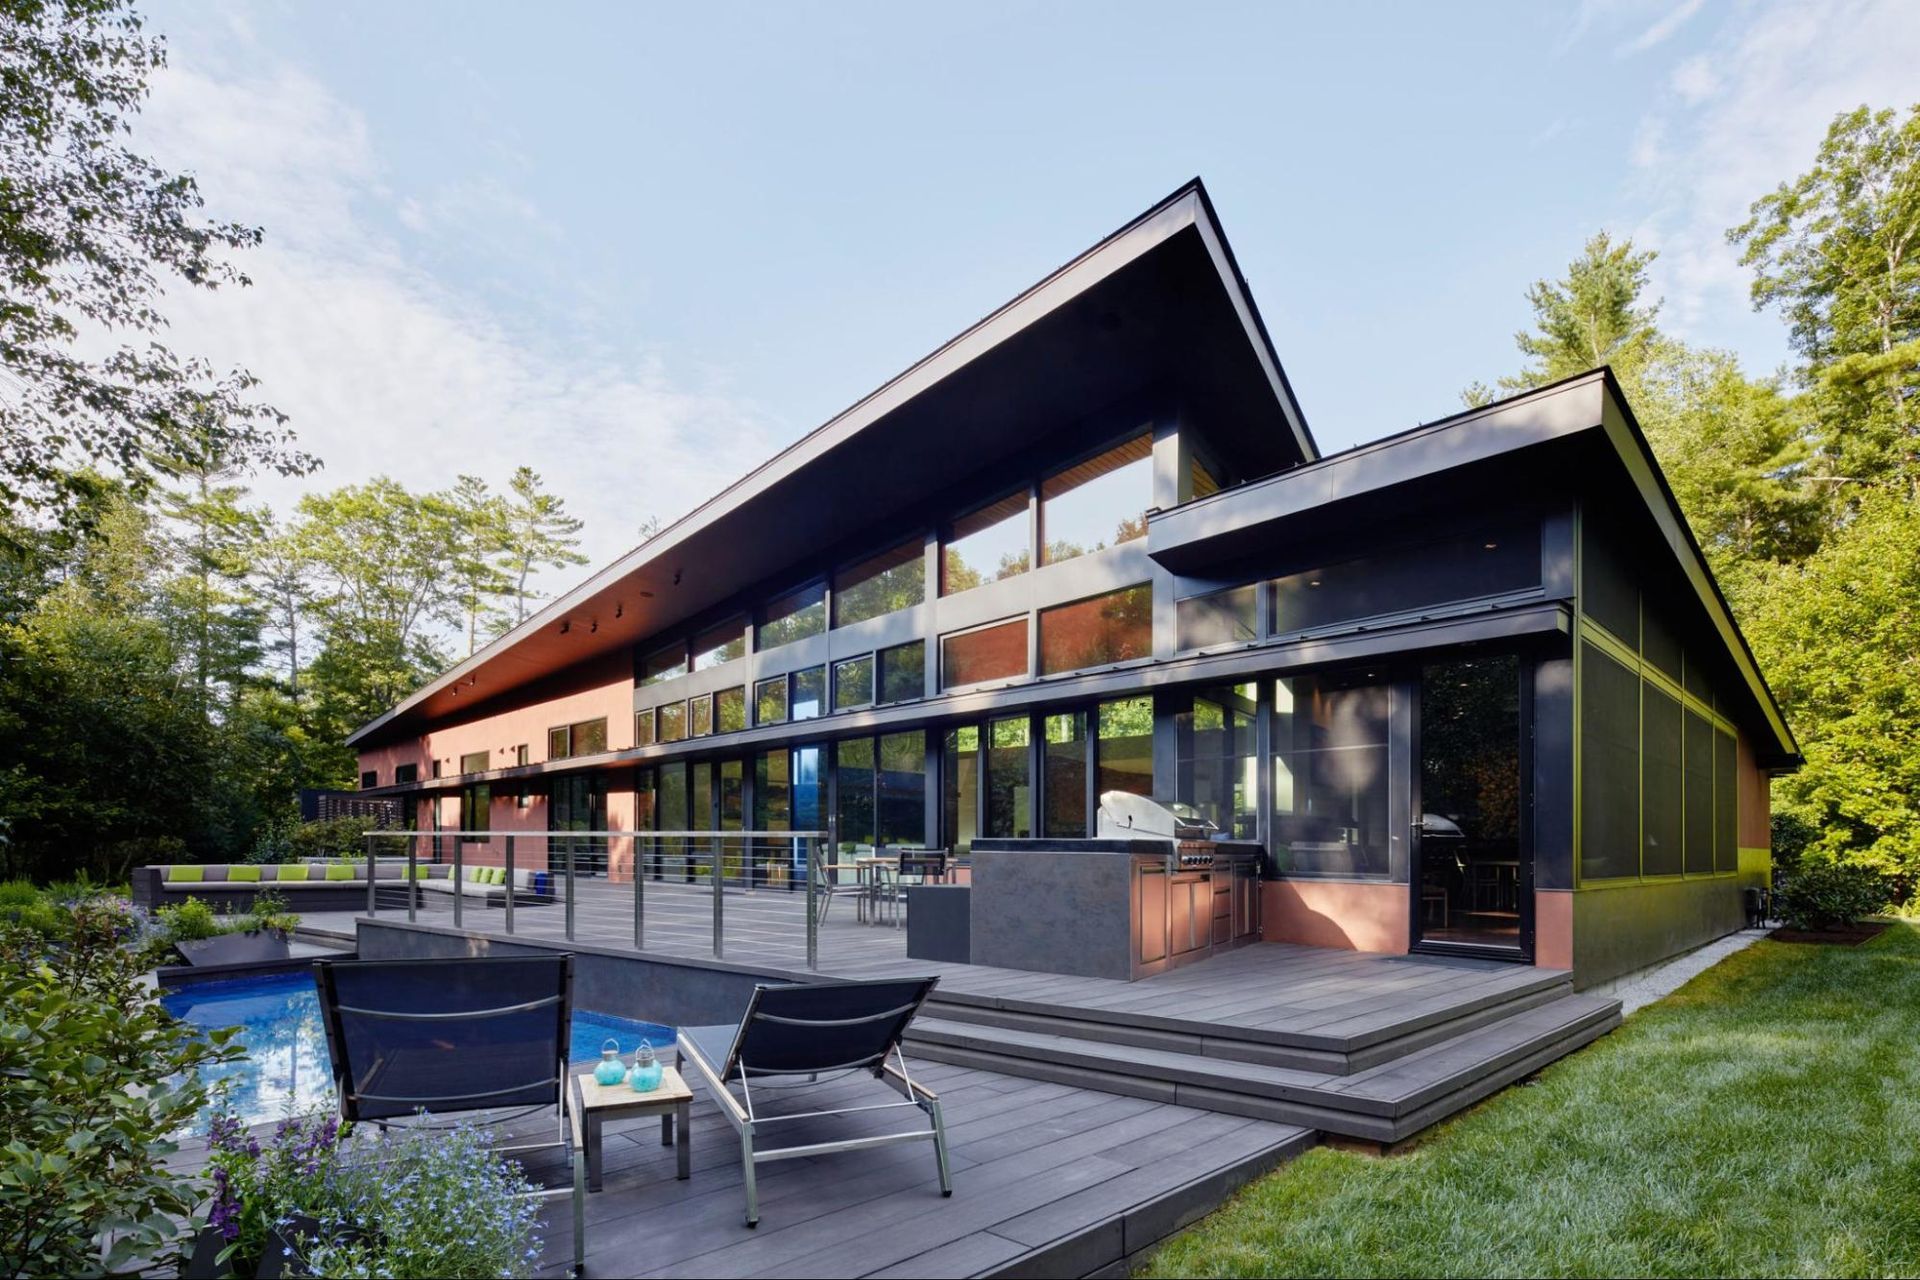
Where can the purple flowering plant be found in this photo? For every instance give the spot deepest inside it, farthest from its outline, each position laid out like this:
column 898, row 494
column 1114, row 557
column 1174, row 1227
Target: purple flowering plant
column 260, row 1187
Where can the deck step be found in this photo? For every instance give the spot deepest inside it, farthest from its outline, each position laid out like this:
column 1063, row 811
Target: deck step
column 1225, row 1040
column 1384, row 1103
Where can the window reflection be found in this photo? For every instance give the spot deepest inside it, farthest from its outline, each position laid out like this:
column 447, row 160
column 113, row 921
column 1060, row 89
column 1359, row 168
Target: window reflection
column 770, row 701
column 1222, row 617
column 1115, row 627
column 986, row 545
column 795, row 616
column 998, row 652
column 1124, row 749
column 730, row 709
column 1215, row 759
column 894, row 579
column 1065, row 754
column 903, row 672
column 809, row 693
column 722, row 644
column 1330, row 776
column 1099, row 503
column 852, row 683
column 1009, row 779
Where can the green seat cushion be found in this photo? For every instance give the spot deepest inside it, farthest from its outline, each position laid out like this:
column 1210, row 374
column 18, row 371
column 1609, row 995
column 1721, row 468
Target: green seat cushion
column 496, row 875
column 338, row 872
column 185, row 875
column 294, row 871
column 243, row 873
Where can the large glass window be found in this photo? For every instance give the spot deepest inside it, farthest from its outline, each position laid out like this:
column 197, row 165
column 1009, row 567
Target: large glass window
column 476, row 808
column 673, row 721
column 1009, row 779
column 732, row 795
column 986, row 545
column 960, row 797
column 773, row 791
column 722, row 644
column 1470, row 878
column 730, row 709
column 664, row 664
column 853, row 767
column 1222, row 617
column 670, row 854
column 809, row 693
column 1330, row 776
column 853, row 683
column 901, row 801
column 1100, row 503
column 998, row 652
column 894, row 579
column 701, row 716
column 643, row 728
column 475, row 762
column 1467, row 566
column 1093, row 633
column 1215, row 759
column 582, row 738
column 1064, row 757
column 903, row 672
column 770, row 701
column 1609, row 767
column 1124, row 750
column 795, row 616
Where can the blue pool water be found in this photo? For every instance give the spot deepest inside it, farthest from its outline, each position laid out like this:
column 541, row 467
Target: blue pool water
column 286, row 1068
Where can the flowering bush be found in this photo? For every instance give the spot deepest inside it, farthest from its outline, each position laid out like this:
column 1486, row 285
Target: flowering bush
column 413, row 1203
column 258, row 1189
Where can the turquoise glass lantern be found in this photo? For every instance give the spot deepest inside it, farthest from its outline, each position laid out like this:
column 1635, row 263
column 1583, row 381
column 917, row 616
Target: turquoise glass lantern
column 610, row 1069
column 645, row 1076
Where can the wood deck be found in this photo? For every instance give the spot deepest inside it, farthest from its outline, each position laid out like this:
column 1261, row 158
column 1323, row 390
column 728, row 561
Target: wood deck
column 1089, row 1116
column 1049, row 1179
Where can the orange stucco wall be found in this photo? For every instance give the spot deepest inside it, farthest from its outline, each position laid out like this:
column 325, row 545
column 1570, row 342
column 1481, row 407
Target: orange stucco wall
column 1553, row 928
column 1756, row 802
column 602, row 688
column 1336, row 913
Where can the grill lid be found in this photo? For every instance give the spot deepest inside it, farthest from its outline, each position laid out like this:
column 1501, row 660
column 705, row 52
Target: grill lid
column 1124, row 815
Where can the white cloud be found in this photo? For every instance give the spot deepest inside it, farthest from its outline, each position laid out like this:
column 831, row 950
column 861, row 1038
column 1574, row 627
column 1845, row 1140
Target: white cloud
column 385, row 368
column 1748, row 114
column 1664, row 26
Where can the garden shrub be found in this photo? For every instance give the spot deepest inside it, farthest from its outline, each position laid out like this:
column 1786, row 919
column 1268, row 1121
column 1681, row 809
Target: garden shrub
column 1823, row 895
column 188, row 921
column 415, row 1203
column 98, row 1075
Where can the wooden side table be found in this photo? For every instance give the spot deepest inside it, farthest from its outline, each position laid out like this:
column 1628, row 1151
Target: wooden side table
column 596, row 1103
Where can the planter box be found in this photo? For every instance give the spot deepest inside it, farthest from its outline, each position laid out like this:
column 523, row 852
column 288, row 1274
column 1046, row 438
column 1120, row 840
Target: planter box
column 254, row 947
column 203, row 1261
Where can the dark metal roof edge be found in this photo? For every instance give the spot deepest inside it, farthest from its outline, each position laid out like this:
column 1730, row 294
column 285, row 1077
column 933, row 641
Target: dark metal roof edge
column 766, row 471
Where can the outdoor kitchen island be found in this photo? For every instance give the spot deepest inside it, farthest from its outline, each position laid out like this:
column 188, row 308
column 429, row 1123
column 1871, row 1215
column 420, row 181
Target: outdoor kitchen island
column 1110, row 908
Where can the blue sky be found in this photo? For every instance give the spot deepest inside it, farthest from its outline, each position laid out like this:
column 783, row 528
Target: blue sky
column 642, row 247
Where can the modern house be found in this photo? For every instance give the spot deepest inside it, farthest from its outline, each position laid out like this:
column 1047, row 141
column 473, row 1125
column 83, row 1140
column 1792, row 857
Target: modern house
column 1471, row 687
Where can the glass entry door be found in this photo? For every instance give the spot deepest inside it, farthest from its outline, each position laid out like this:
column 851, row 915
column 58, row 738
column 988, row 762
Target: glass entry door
column 1473, row 877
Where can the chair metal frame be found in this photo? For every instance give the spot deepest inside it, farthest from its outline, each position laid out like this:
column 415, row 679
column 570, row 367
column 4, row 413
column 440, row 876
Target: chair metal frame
column 889, row 1066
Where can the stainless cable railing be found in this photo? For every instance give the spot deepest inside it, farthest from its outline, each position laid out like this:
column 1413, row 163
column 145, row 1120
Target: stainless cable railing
column 592, row 873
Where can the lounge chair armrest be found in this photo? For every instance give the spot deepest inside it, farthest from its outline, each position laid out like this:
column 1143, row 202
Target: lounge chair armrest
column 906, row 1088
column 722, row 1095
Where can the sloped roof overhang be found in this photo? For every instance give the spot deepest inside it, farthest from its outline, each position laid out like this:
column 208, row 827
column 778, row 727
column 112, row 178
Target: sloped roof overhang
column 1157, row 308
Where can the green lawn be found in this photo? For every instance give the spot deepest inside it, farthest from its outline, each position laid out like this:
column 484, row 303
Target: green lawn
column 1762, row 1120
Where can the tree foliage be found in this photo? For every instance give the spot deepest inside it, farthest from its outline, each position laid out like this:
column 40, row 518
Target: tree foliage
column 89, row 232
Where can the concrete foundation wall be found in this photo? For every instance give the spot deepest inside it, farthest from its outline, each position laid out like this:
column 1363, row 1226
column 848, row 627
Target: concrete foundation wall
column 676, row 994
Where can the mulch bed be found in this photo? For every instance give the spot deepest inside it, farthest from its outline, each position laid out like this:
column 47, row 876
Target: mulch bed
column 1846, row 935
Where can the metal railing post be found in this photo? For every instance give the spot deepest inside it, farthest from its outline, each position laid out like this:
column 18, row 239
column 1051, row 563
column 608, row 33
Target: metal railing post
column 718, row 947
column 373, row 907
column 569, row 844
column 459, row 880
column 813, row 905
column 639, row 897
column 413, row 876
column 510, row 885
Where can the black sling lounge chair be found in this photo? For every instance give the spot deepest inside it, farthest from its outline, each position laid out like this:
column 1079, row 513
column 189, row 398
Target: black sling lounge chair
column 447, row 1037
column 809, row 1030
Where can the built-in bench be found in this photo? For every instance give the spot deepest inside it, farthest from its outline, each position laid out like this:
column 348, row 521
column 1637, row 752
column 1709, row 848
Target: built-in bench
column 320, row 886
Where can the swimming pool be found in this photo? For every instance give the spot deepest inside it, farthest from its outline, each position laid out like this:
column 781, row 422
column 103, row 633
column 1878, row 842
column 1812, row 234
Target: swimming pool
column 286, row 1066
